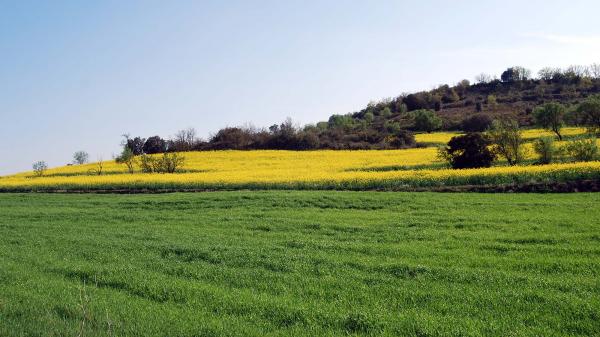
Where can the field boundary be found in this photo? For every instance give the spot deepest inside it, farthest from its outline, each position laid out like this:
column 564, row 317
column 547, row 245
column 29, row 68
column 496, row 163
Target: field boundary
column 587, row 185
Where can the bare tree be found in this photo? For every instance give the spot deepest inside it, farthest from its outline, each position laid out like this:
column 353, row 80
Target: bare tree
column 483, row 78
column 99, row 167
column 39, row 168
column 595, row 70
column 185, row 140
column 547, row 73
column 80, row 157
column 126, row 157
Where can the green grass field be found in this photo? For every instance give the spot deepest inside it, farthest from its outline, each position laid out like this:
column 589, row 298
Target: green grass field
column 300, row 263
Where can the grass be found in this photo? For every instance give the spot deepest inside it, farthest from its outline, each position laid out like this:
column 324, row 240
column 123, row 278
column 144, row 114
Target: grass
column 300, row 263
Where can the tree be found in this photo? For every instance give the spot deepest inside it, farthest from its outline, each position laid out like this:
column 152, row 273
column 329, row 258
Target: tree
column 507, row 141
column 80, row 157
column 233, row 138
column 127, row 157
column 426, row 120
column 450, row 96
column 547, row 74
column 515, row 74
column 550, row 116
column 386, row 112
column 416, row 101
column 483, row 78
column 184, row 140
column 155, row 144
column 476, row 123
column 468, row 151
column 135, row 144
column 39, row 168
column 99, row 167
column 589, row 110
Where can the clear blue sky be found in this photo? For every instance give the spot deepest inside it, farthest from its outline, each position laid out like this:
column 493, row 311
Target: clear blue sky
column 75, row 75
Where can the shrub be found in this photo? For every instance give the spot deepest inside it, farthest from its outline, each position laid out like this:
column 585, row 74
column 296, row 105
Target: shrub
column 476, row 123
column 468, row 151
column 508, row 143
column 39, row 168
column 171, row 161
column 582, row 149
column 402, row 139
column 545, row 149
column 147, row 163
column 167, row 163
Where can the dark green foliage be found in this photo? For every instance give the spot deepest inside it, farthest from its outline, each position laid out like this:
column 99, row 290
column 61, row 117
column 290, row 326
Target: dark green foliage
column 476, row 123
column 299, row 264
column 468, row 151
column 155, row 144
column 136, row 145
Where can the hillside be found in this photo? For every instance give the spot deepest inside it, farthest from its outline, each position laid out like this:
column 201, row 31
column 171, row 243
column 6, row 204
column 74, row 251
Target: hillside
column 390, row 123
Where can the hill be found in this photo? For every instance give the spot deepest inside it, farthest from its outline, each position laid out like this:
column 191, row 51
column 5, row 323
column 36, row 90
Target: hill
column 389, row 123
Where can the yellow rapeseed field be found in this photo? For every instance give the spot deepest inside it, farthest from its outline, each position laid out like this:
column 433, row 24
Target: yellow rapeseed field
column 385, row 169
column 530, row 134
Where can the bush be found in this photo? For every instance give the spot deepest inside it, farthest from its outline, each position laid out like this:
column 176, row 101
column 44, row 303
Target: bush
column 39, row 168
column 508, row 143
column 402, row 139
column 476, row 123
column 582, row 149
column 468, row 151
column 545, row 149
column 147, row 163
column 171, row 161
column 167, row 163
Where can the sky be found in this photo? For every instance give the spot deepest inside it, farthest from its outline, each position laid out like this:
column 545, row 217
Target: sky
column 76, row 75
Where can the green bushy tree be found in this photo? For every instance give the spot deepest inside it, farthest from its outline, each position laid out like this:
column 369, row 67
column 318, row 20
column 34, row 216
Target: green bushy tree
column 550, row 116
column 426, row 120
